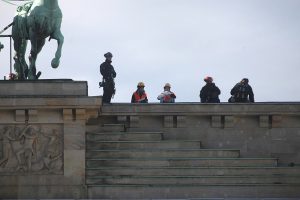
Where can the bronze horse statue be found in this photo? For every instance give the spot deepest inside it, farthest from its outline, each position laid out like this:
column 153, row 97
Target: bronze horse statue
column 36, row 21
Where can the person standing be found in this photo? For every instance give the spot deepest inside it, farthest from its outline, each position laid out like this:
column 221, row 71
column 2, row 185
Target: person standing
column 139, row 96
column 167, row 96
column 242, row 92
column 210, row 92
column 108, row 73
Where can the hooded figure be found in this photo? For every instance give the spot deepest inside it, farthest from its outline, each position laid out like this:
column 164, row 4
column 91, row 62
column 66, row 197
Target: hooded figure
column 242, row 92
column 210, row 92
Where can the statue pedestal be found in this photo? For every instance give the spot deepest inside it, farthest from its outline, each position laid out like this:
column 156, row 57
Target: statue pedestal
column 42, row 138
column 57, row 87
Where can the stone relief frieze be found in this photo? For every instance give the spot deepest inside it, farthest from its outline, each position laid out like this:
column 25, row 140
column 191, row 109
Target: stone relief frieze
column 31, row 149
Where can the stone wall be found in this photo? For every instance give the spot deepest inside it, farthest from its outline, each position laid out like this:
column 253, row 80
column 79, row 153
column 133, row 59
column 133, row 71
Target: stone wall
column 258, row 130
column 43, row 131
column 42, row 138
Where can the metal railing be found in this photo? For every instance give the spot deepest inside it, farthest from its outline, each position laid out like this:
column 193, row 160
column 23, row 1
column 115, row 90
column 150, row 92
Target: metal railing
column 10, row 50
column 10, row 45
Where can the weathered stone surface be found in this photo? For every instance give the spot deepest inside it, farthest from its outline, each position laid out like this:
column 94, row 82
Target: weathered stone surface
column 194, row 191
column 128, row 166
column 31, row 149
column 40, row 88
column 191, row 171
column 117, row 145
column 43, row 192
column 252, row 128
column 42, row 138
column 169, row 121
column 216, row 121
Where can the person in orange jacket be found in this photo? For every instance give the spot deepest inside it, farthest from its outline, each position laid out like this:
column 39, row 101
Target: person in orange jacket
column 139, row 96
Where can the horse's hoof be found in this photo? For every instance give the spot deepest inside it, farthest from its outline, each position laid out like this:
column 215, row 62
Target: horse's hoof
column 55, row 63
column 26, row 73
column 31, row 76
column 38, row 75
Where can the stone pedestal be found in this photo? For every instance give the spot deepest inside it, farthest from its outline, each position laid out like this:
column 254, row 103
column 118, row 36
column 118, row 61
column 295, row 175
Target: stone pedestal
column 42, row 138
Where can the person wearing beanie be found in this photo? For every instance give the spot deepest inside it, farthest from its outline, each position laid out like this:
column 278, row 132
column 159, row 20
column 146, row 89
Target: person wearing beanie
column 108, row 73
column 210, row 92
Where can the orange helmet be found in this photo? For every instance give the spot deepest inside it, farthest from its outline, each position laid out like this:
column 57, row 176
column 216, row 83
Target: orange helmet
column 141, row 84
column 167, row 85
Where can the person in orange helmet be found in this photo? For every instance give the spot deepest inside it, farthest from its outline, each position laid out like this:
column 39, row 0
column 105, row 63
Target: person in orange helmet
column 139, row 96
column 167, row 96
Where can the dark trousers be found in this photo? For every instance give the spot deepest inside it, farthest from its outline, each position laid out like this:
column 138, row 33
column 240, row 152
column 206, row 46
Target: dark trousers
column 108, row 91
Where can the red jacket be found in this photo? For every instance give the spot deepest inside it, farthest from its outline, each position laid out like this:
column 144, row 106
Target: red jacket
column 136, row 98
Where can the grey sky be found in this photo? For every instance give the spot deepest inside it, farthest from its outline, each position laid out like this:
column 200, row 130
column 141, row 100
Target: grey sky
column 177, row 41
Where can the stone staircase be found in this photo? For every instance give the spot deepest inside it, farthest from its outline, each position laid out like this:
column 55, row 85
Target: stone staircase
column 143, row 165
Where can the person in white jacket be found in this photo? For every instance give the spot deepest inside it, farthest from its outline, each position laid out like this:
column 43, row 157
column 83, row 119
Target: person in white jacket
column 167, row 96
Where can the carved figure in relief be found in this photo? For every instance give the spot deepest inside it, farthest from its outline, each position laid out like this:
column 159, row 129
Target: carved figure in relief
column 23, row 146
column 6, row 144
column 30, row 149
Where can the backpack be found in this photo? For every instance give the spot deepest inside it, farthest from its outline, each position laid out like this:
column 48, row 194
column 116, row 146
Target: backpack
column 241, row 92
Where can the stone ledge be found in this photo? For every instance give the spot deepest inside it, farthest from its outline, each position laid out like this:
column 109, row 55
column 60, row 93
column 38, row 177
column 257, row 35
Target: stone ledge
column 47, row 87
column 50, row 102
column 186, row 109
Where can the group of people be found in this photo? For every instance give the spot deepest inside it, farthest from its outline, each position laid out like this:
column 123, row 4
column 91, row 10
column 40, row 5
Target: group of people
column 140, row 96
column 241, row 92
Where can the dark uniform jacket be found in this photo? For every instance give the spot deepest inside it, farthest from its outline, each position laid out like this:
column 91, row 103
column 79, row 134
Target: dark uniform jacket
column 241, row 91
column 107, row 71
column 210, row 93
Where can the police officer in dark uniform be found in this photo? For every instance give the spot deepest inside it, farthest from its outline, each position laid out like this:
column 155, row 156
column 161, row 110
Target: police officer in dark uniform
column 108, row 73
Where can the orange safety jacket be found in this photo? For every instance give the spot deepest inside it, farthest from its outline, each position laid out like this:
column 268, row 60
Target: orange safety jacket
column 138, row 98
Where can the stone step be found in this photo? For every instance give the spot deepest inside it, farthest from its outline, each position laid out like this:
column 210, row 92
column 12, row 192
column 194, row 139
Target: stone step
column 189, row 171
column 105, row 128
column 165, row 144
column 124, row 136
column 194, row 191
column 173, row 180
column 182, row 162
column 165, row 153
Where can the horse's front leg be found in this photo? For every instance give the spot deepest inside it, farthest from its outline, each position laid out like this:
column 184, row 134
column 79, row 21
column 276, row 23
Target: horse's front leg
column 20, row 64
column 32, row 56
column 57, row 35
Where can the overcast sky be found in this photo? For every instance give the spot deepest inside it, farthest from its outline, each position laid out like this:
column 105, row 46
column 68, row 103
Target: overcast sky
column 176, row 41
